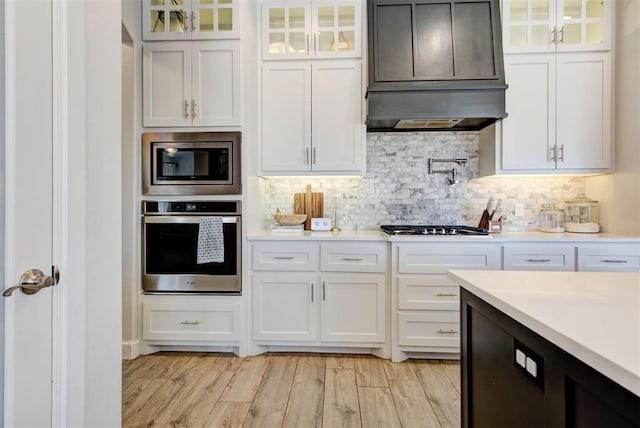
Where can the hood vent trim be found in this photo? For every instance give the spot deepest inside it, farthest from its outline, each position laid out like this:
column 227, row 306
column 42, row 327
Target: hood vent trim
column 426, row 123
column 456, row 84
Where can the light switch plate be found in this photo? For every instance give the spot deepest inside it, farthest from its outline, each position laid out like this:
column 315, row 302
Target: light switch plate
column 323, row 223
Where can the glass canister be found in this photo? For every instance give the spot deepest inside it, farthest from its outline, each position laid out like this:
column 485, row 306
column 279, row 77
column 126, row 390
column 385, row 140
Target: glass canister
column 582, row 215
column 551, row 219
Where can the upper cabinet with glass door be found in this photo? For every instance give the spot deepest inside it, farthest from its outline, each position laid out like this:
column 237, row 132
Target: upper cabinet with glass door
column 189, row 19
column 303, row 29
column 556, row 26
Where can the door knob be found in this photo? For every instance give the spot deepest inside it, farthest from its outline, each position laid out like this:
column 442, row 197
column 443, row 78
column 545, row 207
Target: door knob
column 34, row 280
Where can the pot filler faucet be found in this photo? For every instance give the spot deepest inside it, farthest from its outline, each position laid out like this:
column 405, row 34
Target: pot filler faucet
column 453, row 180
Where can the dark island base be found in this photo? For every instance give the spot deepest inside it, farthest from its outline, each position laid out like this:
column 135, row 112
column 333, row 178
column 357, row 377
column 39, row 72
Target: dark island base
column 543, row 386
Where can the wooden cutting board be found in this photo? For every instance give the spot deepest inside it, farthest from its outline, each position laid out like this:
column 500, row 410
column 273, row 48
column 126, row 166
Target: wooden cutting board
column 310, row 203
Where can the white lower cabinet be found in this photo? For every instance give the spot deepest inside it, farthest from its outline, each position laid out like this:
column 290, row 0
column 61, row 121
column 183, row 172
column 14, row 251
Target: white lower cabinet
column 539, row 257
column 345, row 307
column 353, row 308
column 190, row 321
column 609, row 258
column 284, row 306
column 426, row 315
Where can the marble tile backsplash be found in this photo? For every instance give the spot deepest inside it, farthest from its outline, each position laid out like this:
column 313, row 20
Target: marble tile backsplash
column 397, row 189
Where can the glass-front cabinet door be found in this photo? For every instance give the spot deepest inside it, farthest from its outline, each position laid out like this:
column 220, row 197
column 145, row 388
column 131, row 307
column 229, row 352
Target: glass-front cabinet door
column 298, row 29
column 336, row 30
column 287, row 29
column 189, row 19
column 556, row 25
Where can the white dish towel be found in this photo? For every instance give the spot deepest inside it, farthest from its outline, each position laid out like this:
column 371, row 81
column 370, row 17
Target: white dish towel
column 210, row 241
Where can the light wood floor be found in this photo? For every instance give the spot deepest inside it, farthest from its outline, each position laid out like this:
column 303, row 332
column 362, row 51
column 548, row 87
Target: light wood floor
column 288, row 390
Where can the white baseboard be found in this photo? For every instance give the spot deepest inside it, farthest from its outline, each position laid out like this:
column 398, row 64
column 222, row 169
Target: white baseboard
column 130, row 349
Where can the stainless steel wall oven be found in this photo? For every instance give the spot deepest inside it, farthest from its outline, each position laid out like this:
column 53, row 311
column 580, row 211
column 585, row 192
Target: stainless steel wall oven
column 191, row 163
column 170, row 247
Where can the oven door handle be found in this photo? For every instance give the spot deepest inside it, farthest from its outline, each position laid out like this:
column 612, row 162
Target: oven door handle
column 184, row 219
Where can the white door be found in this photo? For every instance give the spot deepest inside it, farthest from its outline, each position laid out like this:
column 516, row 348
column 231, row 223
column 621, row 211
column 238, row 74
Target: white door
column 29, row 215
column 61, row 134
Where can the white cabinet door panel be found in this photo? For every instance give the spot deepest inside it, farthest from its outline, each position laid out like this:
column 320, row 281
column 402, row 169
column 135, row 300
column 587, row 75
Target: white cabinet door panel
column 167, row 84
column 336, row 118
column 216, row 84
column 286, row 116
column 529, row 130
column 583, row 112
column 284, row 307
column 353, row 308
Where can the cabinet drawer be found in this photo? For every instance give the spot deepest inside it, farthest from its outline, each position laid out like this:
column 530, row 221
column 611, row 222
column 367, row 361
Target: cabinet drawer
column 533, row 257
column 191, row 321
column 435, row 292
column 609, row 258
column 362, row 257
column 427, row 258
column 287, row 256
column 441, row 329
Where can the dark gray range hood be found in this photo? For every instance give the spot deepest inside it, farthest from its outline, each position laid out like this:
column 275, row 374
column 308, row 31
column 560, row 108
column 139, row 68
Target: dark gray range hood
column 434, row 65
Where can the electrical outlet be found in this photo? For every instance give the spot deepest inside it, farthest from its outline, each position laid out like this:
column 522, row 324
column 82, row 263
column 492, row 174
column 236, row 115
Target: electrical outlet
column 519, row 211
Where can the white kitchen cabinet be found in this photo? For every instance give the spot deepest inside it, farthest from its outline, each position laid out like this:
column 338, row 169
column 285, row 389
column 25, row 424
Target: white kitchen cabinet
column 179, row 320
column 285, row 306
column 191, row 84
column 190, row 19
column 285, row 256
column 353, row 308
column 556, row 26
column 539, row 257
column 318, row 29
column 560, row 112
column 426, row 310
column 609, row 258
column 430, row 330
column 311, row 117
column 304, row 305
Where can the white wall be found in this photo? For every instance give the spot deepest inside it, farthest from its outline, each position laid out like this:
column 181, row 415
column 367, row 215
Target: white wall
column 131, row 92
column 619, row 193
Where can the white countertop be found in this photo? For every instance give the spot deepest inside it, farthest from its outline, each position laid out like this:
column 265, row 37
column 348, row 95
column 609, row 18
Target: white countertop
column 594, row 316
column 378, row 235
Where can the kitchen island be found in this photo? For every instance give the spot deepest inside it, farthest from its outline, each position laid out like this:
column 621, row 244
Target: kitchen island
column 550, row 348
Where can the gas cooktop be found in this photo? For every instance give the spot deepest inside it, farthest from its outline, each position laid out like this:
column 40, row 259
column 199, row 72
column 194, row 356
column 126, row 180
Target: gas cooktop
column 434, row 230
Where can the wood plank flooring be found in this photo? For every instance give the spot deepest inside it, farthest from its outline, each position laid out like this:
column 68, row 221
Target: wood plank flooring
column 182, row 389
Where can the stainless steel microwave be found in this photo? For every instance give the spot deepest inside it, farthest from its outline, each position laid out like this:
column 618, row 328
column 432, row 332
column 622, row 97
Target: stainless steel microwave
column 191, row 163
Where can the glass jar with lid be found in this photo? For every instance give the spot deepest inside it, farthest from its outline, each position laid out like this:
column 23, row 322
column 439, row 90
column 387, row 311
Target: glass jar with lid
column 551, row 219
column 582, row 215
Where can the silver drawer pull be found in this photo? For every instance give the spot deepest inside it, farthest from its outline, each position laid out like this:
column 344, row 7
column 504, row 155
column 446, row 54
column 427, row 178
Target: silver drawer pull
column 447, row 331
column 190, row 322
column 613, row 261
column 351, row 259
column 538, row 260
column 447, row 295
column 284, row 258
